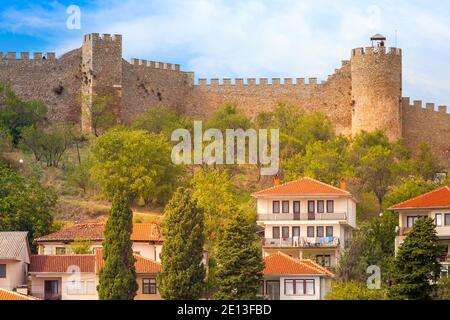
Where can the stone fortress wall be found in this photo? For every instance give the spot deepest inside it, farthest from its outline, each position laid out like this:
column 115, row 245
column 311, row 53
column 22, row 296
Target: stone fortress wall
column 364, row 93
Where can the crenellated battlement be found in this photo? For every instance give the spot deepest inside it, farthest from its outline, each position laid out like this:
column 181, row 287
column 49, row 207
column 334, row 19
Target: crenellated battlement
column 376, row 50
column 418, row 105
column 23, row 56
column 103, row 37
column 155, row 64
column 256, row 82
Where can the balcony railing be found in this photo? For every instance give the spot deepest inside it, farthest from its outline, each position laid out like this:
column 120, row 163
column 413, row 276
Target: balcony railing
column 301, row 242
column 302, row 216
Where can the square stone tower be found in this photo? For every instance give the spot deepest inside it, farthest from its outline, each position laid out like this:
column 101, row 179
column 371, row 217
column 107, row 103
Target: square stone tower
column 101, row 69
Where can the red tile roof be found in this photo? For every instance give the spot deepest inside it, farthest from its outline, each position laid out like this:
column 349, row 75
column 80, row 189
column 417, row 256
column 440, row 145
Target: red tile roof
column 10, row 295
column 439, row 198
column 302, row 186
column 94, row 232
column 142, row 264
column 87, row 263
column 61, row 263
column 282, row 264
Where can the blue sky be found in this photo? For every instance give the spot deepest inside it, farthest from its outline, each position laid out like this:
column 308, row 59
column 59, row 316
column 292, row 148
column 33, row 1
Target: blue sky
column 285, row 38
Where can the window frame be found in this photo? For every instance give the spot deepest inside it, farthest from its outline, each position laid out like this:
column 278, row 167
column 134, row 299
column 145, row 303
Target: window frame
column 414, row 219
column 278, row 231
column 320, row 203
column 277, row 202
column 330, row 203
column 323, row 258
column 63, row 249
column 293, row 206
column 322, row 231
column 301, row 284
column 436, row 218
column 326, row 231
column 313, row 209
column 283, row 232
column 308, row 229
column 445, row 219
column 283, row 203
column 150, row 286
column 3, row 274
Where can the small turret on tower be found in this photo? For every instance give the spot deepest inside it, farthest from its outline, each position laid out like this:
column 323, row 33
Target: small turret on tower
column 376, row 74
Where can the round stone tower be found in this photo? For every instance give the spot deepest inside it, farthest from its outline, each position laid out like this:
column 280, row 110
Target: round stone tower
column 376, row 74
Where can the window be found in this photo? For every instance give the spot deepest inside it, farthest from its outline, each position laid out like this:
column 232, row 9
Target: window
column 329, row 231
column 299, row 287
column 320, row 232
column 410, row 220
column 81, row 287
column 324, row 260
column 149, row 286
column 330, row 206
column 296, row 206
column 285, row 232
column 60, row 250
column 438, row 219
column 320, row 206
column 310, row 232
column 295, row 231
column 447, row 219
column 261, row 288
column 2, row 270
column 276, row 232
column 285, row 207
column 311, row 208
column 276, row 206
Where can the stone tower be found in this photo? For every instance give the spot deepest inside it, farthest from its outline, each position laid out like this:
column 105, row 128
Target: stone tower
column 376, row 79
column 101, row 69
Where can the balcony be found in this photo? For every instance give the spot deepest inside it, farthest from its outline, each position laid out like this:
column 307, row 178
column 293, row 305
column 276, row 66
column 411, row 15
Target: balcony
column 403, row 231
column 302, row 216
column 301, row 242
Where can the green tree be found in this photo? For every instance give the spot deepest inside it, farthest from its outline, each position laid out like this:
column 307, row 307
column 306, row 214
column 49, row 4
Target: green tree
column 102, row 118
column 228, row 117
column 160, row 119
column 416, row 266
column 354, row 290
column 239, row 260
column 118, row 276
column 183, row 272
column 25, row 205
column 81, row 246
column 377, row 164
column 48, row 145
column 326, row 161
column 5, row 140
column 443, row 289
column 215, row 194
column 135, row 161
column 16, row 114
column 425, row 164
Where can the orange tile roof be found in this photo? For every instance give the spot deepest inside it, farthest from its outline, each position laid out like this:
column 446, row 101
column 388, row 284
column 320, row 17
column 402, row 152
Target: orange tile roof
column 142, row 264
column 302, row 186
column 61, row 263
column 10, row 295
column 94, row 232
column 280, row 263
column 438, row 198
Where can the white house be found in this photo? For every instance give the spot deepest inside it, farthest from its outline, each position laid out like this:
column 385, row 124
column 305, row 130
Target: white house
column 14, row 259
column 287, row 278
column 306, row 218
column 435, row 205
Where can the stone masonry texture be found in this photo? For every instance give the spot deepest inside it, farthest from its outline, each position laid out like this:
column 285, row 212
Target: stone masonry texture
column 364, row 93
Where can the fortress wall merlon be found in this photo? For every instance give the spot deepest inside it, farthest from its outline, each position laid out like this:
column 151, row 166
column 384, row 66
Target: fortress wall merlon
column 418, row 106
column 442, row 109
column 26, row 56
column 263, row 81
column 429, row 106
column 288, row 82
column 275, row 81
column 102, row 37
column 312, row 81
column 155, row 64
column 376, row 50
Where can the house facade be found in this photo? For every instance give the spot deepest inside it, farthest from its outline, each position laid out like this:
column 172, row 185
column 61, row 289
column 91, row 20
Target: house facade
column 287, row 278
column 76, row 277
column 146, row 238
column 14, row 259
column 435, row 205
column 306, row 218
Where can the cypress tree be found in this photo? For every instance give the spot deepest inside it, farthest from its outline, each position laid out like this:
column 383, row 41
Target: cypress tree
column 183, row 273
column 118, row 275
column 239, row 260
column 416, row 266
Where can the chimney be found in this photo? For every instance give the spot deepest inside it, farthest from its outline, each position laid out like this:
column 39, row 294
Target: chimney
column 343, row 183
column 276, row 180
